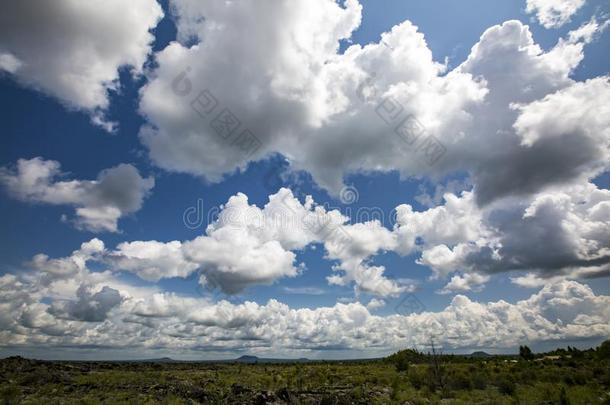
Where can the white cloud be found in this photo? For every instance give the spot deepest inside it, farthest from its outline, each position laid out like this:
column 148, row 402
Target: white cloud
column 89, row 307
column 353, row 245
column 559, row 232
column 110, row 317
column 588, row 31
column 269, row 82
column 99, row 204
column 73, row 50
column 151, row 260
column 67, row 267
column 466, row 282
column 9, row 63
column 299, row 97
column 304, row 290
column 329, row 118
column 257, row 263
column 518, row 72
column 459, row 219
column 580, row 109
column 554, row 13
column 456, row 237
column 266, row 239
column 375, row 304
column 531, row 280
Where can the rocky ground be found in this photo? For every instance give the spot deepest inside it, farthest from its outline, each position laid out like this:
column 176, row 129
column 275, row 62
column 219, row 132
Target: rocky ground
column 34, row 381
column 406, row 378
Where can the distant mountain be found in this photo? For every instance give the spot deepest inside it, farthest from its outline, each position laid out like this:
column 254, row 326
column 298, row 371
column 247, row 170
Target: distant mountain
column 247, row 359
column 480, row 354
column 253, row 359
column 157, row 360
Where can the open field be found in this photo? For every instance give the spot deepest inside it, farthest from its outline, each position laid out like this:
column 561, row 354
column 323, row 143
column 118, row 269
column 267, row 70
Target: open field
column 407, row 378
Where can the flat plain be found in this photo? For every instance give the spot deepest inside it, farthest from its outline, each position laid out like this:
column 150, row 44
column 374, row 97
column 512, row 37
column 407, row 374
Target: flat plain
column 408, row 377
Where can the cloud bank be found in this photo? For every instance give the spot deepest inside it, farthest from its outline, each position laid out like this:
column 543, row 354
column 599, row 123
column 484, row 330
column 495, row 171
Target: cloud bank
column 92, row 309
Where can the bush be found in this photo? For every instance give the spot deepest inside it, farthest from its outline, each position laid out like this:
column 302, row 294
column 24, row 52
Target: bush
column 563, row 397
column 417, row 378
column 9, row 394
column 401, row 364
column 580, row 378
column 603, row 351
column 506, row 386
column 460, row 381
column 479, row 381
column 403, row 358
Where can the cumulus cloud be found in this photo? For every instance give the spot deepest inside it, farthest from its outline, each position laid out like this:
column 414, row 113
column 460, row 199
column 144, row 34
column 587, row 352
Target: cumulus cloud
column 465, row 282
column 459, row 240
column 89, row 307
column 112, row 317
column 151, row 260
column 532, row 280
column 560, row 232
column 299, row 97
column 345, row 112
column 264, row 237
column 99, row 204
column 330, row 114
column 518, row 72
column 260, row 235
column 66, row 267
column 267, row 239
column 84, row 307
column 375, row 304
column 553, row 13
column 580, row 109
column 73, row 50
column 530, row 138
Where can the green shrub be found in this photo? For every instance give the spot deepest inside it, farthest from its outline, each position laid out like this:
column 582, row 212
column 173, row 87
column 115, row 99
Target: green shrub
column 563, row 397
column 506, row 385
column 9, row 394
column 401, row 364
column 603, row 351
column 479, row 381
column 417, row 378
column 459, row 381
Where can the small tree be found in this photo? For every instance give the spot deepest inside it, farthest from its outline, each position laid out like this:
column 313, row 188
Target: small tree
column 404, row 358
column 525, row 353
column 402, row 363
column 603, row 351
column 437, row 370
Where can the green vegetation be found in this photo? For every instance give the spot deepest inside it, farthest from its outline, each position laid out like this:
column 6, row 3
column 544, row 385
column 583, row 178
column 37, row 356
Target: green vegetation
column 564, row 376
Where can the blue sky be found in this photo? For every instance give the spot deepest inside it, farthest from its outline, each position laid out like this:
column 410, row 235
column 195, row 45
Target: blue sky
column 39, row 120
